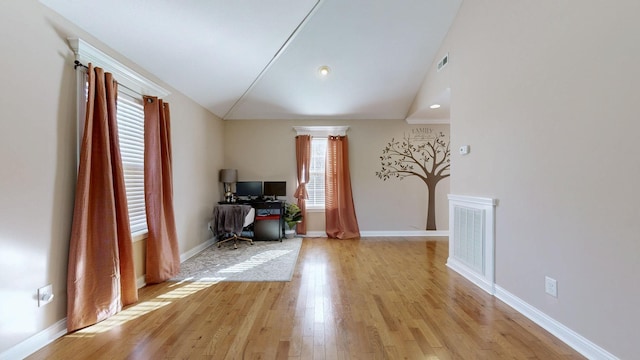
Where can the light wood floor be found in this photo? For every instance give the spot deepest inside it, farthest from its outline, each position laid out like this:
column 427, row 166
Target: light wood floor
column 377, row 298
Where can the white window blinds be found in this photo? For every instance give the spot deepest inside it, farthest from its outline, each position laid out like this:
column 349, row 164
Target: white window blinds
column 315, row 187
column 131, row 134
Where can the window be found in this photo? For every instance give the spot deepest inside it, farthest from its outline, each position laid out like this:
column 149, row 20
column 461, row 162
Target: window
column 319, row 136
column 131, row 135
column 315, row 187
column 130, row 116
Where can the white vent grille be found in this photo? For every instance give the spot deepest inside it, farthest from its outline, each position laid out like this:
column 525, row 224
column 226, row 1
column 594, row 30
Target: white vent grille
column 442, row 63
column 471, row 239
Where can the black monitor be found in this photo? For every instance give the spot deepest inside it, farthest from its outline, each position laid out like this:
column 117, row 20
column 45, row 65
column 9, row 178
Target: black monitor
column 249, row 188
column 275, row 188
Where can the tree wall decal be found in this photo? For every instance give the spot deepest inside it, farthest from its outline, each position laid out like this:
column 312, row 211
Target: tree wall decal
column 423, row 154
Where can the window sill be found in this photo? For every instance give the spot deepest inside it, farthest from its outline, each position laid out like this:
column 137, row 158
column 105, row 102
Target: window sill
column 315, row 209
column 139, row 236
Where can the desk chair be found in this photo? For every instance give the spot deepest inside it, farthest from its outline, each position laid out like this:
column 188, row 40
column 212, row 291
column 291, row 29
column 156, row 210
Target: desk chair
column 222, row 214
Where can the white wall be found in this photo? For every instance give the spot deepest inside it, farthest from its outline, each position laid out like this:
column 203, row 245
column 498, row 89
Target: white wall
column 546, row 94
column 38, row 157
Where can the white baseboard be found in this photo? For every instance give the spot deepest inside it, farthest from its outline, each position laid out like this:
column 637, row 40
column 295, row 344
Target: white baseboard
column 568, row 336
column 141, row 282
column 36, row 342
column 470, row 275
column 315, row 234
column 193, row 252
column 391, row 233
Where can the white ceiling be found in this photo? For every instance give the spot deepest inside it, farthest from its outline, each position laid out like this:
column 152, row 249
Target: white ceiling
column 258, row 59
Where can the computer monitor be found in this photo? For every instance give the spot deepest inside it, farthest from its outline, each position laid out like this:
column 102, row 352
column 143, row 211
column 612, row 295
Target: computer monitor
column 275, row 188
column 249, row 188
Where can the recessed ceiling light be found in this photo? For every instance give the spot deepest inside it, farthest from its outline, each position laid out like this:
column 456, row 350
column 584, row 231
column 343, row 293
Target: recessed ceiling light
column 324, row 70
column 434, row 106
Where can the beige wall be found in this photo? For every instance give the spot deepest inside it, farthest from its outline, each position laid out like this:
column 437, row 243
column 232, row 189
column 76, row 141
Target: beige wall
column 38, row 157
column 197, row 157
column 265, row 150
column 546, row 94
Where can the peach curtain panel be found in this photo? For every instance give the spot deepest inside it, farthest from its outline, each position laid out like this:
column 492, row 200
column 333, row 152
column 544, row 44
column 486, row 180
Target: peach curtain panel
column 163, row 256
column 303, row 159
column 101, row 275
column 340, row 213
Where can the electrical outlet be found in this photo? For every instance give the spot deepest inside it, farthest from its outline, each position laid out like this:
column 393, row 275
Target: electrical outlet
column 45, row 295
column 551, row 286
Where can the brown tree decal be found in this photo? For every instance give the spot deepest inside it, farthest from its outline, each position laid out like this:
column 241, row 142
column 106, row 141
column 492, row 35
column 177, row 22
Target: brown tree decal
column 422, row 154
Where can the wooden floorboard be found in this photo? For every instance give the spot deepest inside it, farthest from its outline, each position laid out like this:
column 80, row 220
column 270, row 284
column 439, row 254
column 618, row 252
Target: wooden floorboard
column 375, row 298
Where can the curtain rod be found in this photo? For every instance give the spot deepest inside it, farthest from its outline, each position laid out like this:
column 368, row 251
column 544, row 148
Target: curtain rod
column 78, row 63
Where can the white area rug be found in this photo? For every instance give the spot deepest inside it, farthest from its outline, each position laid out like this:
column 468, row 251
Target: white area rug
column 262, row 261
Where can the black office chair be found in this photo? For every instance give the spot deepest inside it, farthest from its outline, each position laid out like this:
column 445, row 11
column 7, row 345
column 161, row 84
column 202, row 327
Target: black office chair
column 228, row 233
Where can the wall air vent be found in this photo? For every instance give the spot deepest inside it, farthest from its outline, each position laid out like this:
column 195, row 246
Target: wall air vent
column 442, row 63
column 472, row 239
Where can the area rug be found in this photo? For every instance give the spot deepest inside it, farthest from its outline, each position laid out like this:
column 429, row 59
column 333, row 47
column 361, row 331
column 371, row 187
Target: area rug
column 262, row 261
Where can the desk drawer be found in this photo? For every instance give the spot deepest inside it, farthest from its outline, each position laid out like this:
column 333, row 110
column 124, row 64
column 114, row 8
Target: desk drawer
column 267, row 205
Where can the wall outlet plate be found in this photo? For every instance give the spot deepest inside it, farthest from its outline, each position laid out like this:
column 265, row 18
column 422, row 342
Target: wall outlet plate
column 551, row 286
column 45, row 295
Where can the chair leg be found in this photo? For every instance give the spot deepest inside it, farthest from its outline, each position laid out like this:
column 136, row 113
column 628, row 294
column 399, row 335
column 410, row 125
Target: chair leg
column 235, row 239
column 230, row 238
column 245, row 239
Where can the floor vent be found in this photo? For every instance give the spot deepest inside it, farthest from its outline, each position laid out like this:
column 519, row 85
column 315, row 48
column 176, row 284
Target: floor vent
column 471, row 239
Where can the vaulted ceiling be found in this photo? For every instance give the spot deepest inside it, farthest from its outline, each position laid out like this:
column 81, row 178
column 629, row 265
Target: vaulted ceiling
column 260, row 59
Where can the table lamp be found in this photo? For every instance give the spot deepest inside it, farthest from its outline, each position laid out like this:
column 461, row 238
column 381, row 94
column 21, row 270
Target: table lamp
column 228, row 176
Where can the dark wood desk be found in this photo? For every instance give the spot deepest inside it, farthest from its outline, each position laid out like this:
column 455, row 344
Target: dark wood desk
column 269, row 221
column 271, row 226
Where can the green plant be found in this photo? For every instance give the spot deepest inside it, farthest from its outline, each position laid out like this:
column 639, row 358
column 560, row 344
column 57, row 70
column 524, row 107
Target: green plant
column 292, row 215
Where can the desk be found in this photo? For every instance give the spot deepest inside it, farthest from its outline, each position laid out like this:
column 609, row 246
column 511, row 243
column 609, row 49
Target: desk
column 269, row 223
column 269, row 220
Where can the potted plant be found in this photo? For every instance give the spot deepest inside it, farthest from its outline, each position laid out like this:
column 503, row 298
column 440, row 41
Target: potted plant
column 292, row 216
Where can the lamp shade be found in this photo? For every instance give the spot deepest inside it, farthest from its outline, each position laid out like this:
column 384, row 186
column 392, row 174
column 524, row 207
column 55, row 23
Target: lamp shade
column 228, row 175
